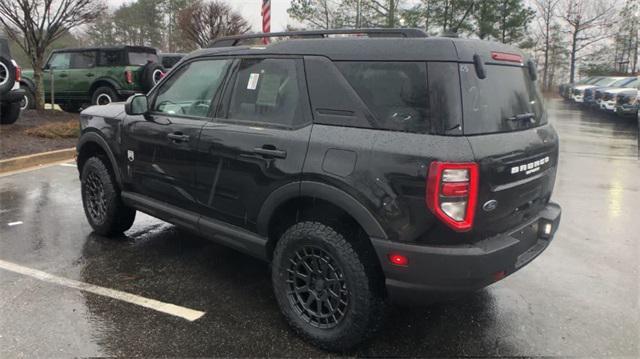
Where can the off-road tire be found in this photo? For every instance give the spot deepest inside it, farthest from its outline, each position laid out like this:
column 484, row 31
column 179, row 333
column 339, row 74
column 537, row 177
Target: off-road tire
column 103, row 207
column 102, row 94
column 7, row 75
column 151, row 75
column 362, row 316
column 29, row 102
column 9, row 113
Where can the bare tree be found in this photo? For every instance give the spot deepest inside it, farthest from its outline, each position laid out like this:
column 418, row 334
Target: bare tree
column 588, row 22
column 36, row 24
column 545, row 20
column 202, row 22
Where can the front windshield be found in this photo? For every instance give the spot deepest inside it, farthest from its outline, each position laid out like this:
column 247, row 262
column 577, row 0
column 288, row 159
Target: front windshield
column 634, row 83
column 622, row 82
column 607, row 81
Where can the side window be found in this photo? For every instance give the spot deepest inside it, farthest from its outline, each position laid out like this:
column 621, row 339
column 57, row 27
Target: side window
column 395, row 92
column 83, row 59
column 111, row 58
column 60, row 61
column 190, row 90
column 269, row 91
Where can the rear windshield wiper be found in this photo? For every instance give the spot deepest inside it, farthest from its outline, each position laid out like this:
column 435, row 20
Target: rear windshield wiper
column 523, row 116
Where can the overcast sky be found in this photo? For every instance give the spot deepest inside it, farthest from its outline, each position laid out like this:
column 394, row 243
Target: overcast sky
column 250, row 9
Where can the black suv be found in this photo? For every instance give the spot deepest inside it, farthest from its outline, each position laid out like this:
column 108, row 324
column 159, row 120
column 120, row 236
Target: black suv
column 364, row 169
column 10, row 92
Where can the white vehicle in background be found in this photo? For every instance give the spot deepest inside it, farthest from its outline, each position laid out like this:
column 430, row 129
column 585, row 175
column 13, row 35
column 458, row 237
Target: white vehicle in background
column 609, row 99
column 578, row 91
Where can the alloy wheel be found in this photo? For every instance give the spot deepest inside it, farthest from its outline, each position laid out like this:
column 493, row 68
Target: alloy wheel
column 95, row 197
column 318, row 291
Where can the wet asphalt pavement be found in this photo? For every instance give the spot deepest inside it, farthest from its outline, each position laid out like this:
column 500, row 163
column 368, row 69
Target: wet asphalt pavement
column 579, row 298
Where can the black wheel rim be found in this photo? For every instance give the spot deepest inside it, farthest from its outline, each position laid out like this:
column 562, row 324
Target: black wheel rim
column 317, row 289
column 95, row 198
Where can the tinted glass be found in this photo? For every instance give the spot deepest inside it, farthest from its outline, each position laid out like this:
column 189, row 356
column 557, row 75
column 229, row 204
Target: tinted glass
column 491, row 104
column 634, row 83
column 60, row 61
column 190, row 91
column 111, row 58
column 142, row 58
column 169, row 61
column 607, row 81
column 83, row 60
column 268, row 91
column 395, row 92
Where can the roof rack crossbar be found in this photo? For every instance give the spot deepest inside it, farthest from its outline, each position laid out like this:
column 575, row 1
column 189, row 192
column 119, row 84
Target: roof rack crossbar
column 228, row 41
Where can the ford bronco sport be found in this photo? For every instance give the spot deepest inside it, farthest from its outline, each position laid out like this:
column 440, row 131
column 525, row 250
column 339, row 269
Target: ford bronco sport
column 95, row 75
column 10, row 91
column 365, row 170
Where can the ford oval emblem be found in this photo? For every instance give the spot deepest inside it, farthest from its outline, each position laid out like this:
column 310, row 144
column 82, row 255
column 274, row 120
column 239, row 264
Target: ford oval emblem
column 490, row 205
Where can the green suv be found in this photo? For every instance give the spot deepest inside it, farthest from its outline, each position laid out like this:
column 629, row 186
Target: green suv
column 95, row 75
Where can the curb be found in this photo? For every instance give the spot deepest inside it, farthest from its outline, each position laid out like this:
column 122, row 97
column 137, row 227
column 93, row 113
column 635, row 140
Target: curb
column 38, row 159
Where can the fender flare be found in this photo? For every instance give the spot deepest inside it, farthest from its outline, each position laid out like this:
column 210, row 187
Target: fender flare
column 328, row 193
column 29, row 84
column 110, row 81
column 93, row 137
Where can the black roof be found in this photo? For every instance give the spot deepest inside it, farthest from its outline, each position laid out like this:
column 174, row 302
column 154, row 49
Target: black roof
column 121, row 47
column 374, row 49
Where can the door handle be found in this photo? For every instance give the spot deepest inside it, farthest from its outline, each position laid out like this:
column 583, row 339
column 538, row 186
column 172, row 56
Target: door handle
column 63, row 75
column 178, row 137
column 270, row 151
column 89, row 74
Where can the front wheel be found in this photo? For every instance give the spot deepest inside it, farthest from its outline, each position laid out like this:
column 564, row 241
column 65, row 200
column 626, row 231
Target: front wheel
column 104, row 209
column 326, row 288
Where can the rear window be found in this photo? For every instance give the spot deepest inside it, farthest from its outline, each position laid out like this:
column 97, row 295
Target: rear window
column 142, row 58
column 395, row 92
column 506, row 100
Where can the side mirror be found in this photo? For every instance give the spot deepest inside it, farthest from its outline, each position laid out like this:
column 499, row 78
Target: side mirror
column 137, row 105
column 46, row 67
column 533, row 72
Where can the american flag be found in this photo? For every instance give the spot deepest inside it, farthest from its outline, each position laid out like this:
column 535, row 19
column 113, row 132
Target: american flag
column 266, row 19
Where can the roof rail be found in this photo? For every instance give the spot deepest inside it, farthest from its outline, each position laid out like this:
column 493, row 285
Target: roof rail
column 318, row 34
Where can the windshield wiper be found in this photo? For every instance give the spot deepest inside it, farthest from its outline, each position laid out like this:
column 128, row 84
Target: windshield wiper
column 523, row 116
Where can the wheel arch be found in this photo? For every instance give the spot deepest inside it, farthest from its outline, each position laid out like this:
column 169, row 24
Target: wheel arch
column 103, row 81
column 91, row 143
column 293, row 195
column 29, row 84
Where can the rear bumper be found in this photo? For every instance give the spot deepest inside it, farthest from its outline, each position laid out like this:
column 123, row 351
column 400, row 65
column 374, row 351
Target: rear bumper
column 13, row 96
column 627, row 109
column 441, row 270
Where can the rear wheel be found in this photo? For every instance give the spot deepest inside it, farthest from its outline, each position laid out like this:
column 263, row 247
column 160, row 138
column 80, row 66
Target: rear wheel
column 103, row 96
column 325, row 287
column 28, row 102
column 9, row 113
column 104, row 209
column 7, row 75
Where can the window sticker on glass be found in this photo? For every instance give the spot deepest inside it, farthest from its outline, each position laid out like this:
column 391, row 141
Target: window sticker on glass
column 268, row 94
column 253, row 81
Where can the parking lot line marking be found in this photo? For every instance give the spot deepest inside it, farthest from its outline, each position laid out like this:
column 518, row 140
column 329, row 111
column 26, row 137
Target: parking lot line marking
column 14, row 223
column 168, row 308
column 67, row 165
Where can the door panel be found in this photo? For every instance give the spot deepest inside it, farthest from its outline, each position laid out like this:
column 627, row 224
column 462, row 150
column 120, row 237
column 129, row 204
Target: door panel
column 239, row 166
column 257, row 144
column 163, row 143
column 163, row 158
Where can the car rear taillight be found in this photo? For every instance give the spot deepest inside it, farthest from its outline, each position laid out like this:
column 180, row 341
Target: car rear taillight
column 18, row 73
column 452, row 193
column 128, row 76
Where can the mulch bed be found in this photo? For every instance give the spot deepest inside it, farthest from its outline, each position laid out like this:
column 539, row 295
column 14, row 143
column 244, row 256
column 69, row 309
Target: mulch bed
column 14, row 140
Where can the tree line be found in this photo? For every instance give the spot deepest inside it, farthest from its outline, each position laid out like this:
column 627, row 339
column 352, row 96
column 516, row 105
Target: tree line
column 565, row 37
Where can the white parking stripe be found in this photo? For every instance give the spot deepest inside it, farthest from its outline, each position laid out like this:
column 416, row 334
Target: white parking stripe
column 16, row 223
column 67, row 165
column 168, row 308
